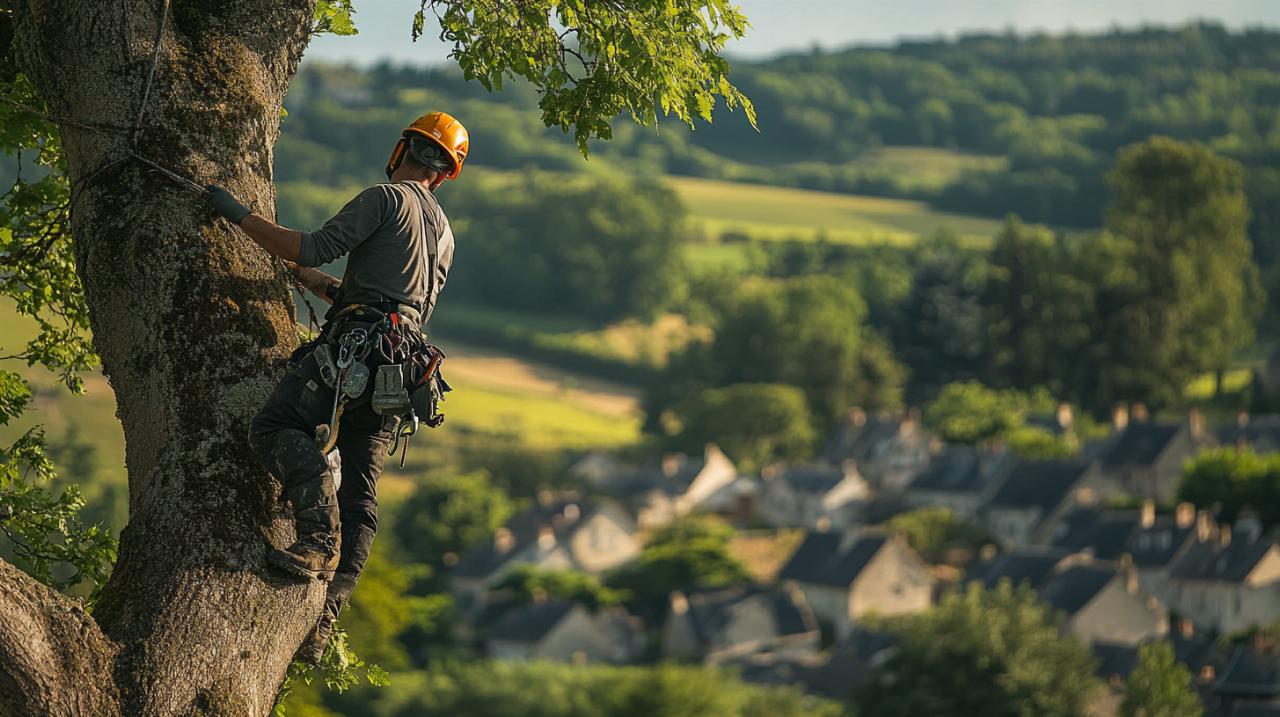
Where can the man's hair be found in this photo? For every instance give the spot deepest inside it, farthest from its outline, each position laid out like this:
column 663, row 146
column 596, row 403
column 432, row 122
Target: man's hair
column 428, row 155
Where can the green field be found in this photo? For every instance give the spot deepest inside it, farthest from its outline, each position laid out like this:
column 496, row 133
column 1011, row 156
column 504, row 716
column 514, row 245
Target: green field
column 497, row 398
column 767, row 212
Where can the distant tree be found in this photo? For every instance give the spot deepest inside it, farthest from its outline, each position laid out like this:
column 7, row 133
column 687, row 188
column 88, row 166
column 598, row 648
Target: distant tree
column 929, row 531
column 1233, row 479
column 484, row 688
column 385, row 608
column 527, row 583
column 1039, row 310
column 995, row 653
column 690, row 554
column 1039, row 443
column 940, row 331
column 754, row 423
column 806, row 332
column 970, row 412
column 1194, row 300
column 1159, row 686
column 605, row 247
column 448, row 514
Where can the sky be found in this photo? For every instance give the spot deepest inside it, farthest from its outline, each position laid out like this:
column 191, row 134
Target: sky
column 781, row 25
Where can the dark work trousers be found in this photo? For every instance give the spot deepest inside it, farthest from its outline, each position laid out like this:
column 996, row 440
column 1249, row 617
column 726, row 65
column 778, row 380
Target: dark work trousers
column 283, row 435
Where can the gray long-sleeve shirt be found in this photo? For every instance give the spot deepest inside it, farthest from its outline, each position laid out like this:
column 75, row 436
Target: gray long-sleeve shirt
column 395, row 234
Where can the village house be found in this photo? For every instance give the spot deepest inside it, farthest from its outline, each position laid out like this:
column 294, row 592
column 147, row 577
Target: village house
column 727, row 625
column 677, row 485
column 562, row 532
column 1102, row 600
column 960, row 478
column 1030, row 500
column 1158, row 542
column 816, row 497
column 1144, row 459
column 565, row 631
column 889, row 451
column 1227, row 582
column 847, row 576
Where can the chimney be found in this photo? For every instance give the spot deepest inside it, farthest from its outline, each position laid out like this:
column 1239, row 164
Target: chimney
column 671, row 464
column 1065, row 416
column 1242, row 419
column 1184, row 515
column 1195, row 424
column 1148, row 514
column 1140, row 413
column 1120, row 417
column 572, row 512
column 1224, row 535
column 503, row 540
column 1204, row 526
column 546, row 537
column 679, row 603
column 1248, row 526
column 1130, row 575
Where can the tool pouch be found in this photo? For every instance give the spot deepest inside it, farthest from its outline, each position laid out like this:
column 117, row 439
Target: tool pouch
column 389, row 394
column 328, row 369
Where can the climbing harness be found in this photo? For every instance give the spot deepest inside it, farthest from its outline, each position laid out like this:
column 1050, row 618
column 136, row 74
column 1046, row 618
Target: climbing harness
column 407, row 384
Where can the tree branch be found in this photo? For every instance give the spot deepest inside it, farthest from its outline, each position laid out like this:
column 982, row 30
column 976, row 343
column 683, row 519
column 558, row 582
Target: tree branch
column 53, row 657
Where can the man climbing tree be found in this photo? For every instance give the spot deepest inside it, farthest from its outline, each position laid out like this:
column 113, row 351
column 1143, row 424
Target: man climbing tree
column 133, row 105
column 401, row 248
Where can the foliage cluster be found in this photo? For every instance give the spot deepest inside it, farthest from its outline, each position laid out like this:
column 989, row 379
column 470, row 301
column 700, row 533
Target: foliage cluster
column 1234, row 479
column 1003, row 656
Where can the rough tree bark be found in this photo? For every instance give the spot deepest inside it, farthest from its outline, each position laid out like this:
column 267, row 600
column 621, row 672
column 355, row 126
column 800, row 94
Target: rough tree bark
column 192, row 322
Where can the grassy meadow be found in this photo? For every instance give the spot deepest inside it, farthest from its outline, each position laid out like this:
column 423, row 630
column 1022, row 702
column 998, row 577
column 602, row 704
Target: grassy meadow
column 766, row 212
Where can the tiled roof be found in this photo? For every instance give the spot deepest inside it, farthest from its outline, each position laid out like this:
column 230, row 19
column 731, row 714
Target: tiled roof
column 812, row 479
column 1038, row 484
column 1211, row 560
column 1139, row 444
column 710, row 612
column 1250, row 673
column 1155, row 546
column 956, row 469
column 1025, row 565
column 1073, row 588
column 1261, row 432
column 1106, row 533
column 530, row 623
column 819, row 559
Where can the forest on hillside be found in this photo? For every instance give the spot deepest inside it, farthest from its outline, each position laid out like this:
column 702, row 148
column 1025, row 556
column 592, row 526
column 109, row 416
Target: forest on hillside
column 1040, row 117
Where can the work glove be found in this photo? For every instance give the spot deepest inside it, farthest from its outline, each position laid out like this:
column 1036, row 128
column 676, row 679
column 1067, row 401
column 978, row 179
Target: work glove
column 226, row 204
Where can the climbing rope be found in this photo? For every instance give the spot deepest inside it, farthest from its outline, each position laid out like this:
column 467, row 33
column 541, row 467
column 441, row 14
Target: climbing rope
column 130, row 148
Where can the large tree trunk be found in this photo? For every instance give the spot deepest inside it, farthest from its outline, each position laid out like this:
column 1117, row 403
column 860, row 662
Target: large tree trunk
column 192, row 322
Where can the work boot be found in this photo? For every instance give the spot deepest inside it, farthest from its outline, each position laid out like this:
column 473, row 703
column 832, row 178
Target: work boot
column 312, row 648
column 316, row 552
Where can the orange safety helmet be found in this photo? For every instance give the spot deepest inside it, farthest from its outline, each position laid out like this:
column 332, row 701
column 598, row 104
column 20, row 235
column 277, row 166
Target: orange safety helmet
column 442, row 129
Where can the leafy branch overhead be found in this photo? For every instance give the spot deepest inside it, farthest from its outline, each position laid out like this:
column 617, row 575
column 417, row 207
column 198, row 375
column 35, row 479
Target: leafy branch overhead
column 592, row 60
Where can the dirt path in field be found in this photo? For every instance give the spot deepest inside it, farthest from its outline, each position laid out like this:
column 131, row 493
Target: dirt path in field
column 475, row 365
